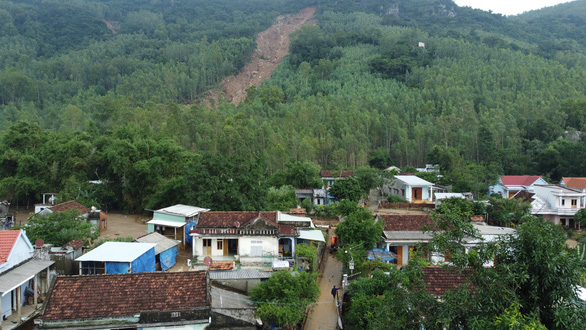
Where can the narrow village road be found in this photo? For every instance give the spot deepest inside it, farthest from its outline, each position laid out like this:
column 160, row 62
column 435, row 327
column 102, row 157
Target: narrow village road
column 323, row 315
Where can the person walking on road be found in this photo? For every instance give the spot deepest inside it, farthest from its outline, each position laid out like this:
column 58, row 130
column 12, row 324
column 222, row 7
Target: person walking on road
column 335, row 292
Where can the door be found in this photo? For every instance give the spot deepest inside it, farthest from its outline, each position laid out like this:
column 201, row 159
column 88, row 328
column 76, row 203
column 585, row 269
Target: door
column 400, row 255
column 225, row 248
column 207, row 246
column 416, row 194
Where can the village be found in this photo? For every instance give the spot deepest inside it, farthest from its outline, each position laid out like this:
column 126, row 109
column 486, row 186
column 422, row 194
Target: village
column 190, row 267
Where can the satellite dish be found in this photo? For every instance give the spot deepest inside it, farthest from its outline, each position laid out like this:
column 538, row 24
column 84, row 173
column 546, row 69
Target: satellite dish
column 207, row 261
column 39, row 242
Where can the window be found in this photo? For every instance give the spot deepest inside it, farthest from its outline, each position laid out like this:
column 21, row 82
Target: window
column 207, row 242
column 563, row 202
column 220, row 245
column 574, row 203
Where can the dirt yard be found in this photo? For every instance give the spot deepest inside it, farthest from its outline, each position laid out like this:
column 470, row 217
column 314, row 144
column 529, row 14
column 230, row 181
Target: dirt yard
column 272, row 46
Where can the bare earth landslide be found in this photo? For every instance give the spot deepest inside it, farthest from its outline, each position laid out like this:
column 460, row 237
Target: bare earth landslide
column 272, row 46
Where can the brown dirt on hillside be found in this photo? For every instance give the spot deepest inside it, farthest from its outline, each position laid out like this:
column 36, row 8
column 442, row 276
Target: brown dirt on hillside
column 272, row 46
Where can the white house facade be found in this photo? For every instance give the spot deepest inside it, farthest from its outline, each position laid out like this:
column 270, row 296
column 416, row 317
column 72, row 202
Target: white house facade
column 411, row 188
column 557, row 203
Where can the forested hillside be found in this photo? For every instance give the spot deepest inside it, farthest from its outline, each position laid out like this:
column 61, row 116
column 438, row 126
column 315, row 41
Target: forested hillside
column 417, row 81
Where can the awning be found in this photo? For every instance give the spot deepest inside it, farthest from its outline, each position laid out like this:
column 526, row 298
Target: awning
column 311, row 235
column 21, row 274
column 166, row 223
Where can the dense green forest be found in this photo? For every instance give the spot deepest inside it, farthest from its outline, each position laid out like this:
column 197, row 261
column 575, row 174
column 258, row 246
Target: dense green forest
column 418, row 82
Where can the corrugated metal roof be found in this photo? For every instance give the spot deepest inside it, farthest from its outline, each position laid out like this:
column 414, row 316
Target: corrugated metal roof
column 19, row 275
column 163, row 243
column 484, row 229
column 184, row 210
column 413, row 180
column 311, row 235
column 239, row 274
column 407, row 235
column 117, row 252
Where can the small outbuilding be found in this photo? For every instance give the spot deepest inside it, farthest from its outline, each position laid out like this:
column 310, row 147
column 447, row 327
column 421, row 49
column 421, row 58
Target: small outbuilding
column 165, row 250
column 118, row 258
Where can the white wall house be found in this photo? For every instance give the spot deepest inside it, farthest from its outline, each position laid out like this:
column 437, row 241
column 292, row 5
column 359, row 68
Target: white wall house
column 20, row 273
column 557, row 203
column 411, row 188
column 251, row 237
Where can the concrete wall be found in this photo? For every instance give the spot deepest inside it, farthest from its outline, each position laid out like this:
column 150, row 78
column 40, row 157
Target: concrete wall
column 242, row 285
column 270, row 244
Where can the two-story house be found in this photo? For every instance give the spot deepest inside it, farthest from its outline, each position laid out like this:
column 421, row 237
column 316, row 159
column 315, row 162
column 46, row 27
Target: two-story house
column 557, row 203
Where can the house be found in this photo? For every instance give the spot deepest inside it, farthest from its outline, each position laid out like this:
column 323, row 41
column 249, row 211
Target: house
column 165, row 250
column 316, row 196
column 411, row 188
column 98, row 219
column 249, row 236
column 579, row 183
column 22, row 278
column 508, row 185
column 558, row 203
column 62, row 207
column 402, row 234
column 49, row 199
column 329, row 177
column 168, row 220
column 128, row 301
column 118, row 258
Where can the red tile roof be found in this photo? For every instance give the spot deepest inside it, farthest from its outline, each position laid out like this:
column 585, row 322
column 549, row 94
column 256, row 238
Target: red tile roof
column 233, row 219
column 71, row 205
column 221, row 265
column 338, row 174
column 575, row 182
column 120, row 295
column 297, row 211
column 519, row 180
column 7, row 240
column 403, row 222
column 76, row 243
column 439, row 279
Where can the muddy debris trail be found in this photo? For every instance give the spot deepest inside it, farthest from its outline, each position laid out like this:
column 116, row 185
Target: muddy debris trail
column 272, row 46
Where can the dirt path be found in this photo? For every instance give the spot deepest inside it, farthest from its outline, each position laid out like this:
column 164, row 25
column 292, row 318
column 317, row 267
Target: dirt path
column 323, row 315
column 272, row 46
